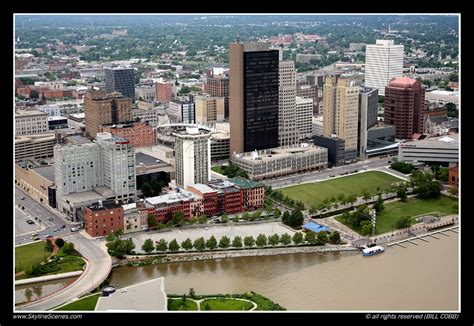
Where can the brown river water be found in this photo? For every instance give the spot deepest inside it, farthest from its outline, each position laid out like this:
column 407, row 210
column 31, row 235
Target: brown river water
column 420, row 277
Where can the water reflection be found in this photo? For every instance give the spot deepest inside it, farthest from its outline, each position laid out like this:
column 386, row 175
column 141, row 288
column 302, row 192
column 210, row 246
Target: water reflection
column 35, row 291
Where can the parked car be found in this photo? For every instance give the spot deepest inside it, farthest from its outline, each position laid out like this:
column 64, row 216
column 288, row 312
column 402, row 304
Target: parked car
column 49, row 235
column 50, row 219
column 35, row 238
column 30, row 222
column 74, row 229
column 22, row 198
column 63, row 226
column 34, row 235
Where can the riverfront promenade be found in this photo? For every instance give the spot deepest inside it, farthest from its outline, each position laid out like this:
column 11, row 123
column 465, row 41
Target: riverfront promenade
column 98, row 268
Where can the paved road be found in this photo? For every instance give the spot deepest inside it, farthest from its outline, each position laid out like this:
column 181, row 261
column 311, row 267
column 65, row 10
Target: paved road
column 98, row 268
column 46, row 219
column 327, row 174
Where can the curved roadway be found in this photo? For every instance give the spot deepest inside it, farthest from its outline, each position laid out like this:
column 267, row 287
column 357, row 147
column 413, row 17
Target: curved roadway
column 97, row 270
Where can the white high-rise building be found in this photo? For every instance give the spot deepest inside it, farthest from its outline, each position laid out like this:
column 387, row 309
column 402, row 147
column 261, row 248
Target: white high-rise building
column 118, row 164
column 193, row 156
column 304, row 117
column 383, row 61
column 77, row 168
column 287, row 130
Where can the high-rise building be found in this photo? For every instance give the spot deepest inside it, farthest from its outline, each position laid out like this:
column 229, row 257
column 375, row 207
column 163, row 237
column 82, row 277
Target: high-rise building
column 253, row 106
column 192, row 156
column 76, row 169
column 304, row 117
column 120, row 80
column 368, row 106
column 218, row 85
column 404, row 104
column 341, row 107
column 164, row 91
column 29, row 122
column 209, row 109
column 118, row 165
column 101, row 108
column 181, row 111
column 287, row 130
column 383, row 61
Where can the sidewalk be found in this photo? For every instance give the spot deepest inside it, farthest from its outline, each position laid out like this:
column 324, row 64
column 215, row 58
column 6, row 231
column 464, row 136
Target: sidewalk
column 48, row 278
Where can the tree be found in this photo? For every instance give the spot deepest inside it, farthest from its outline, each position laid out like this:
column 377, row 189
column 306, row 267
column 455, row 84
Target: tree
column 34, row 94
column 162, row 245
column 146, row 190
column 402, row 194
column 256, row 214
column 202, row 219
column 341, row 197
column 211, row 243
column 297, row 238
column 237, row 242
column 296, row 219
column 68, row 248
column 151, row 221
column 351, row 199
column 178, row 218
column 200, row 244
column 310, row 237
column 261, row 240
column 59, row 242
column 274, row 240
column 245, row 216
column 224, row 218
column 235, row 218
column 424, row 185
column 285, row 239
column 187, row 244
column 192, row 293
column 378, row 205
column 224, row 242
column 276, row 213
column 173, row 245
column 403, row 222
column 334, row 237
column 286, row 218
column 249, row 241
column 366, row 227
column 322, row 237
column 148, row 246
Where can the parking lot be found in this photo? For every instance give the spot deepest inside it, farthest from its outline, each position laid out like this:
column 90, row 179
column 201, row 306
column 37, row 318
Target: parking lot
column 217, row 230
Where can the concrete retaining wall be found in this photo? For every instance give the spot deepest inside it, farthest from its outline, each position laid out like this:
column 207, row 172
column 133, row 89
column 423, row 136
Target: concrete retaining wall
column 48, row 278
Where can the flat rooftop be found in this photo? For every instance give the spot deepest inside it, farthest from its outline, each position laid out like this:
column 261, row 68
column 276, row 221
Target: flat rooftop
column 280, row 152
column 25, row 113
column 147, row 160
column 46, row 172
column 202, row 188
column 447, row 141
column 145, row 296
column 173, row 197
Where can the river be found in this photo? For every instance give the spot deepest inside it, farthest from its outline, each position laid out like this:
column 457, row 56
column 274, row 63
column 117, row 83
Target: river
column 417, row 278
column 35, row 291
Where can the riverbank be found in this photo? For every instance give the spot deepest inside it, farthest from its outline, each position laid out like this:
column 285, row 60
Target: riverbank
column 134, row 260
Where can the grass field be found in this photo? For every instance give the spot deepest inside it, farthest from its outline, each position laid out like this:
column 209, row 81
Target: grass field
column 86, row 304
column 226, row 304
column 28, row 255
column 177, row 304
column 412, row 207
column 218, row 169
column 315, row 193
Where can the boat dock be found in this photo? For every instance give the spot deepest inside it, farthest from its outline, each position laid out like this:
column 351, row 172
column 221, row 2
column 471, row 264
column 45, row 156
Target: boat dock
column 423, row 236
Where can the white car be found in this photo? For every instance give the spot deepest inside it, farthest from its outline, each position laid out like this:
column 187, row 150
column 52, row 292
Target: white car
column 75, row 229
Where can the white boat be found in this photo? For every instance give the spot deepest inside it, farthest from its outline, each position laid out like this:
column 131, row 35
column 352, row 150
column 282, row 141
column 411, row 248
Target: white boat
column 370, row 251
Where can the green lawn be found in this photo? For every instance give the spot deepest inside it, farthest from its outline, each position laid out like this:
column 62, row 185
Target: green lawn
column 265, row 303
column 218, row 169
column 86, row 304
column 226, row 304
column 314, row 193
column 177, row 304
column 412, row 207
column 28, row 255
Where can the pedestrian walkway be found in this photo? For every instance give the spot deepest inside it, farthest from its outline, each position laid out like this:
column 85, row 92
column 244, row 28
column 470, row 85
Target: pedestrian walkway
column 199, row 301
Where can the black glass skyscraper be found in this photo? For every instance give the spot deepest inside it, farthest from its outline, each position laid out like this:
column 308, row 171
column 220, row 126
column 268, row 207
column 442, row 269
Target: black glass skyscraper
column 120, row 80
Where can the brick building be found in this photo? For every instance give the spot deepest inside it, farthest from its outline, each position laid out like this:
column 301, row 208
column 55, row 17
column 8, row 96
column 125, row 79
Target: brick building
column 164, row 91
column 208, row 195
column 218, row 86
column 103, row 218
column 140, row 134
column 453, row 178
column 253, row 192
